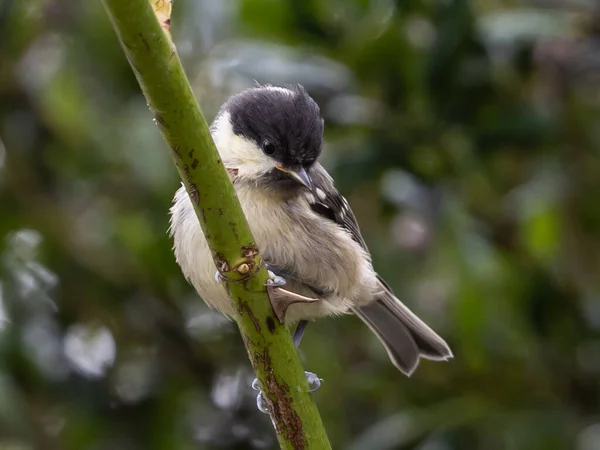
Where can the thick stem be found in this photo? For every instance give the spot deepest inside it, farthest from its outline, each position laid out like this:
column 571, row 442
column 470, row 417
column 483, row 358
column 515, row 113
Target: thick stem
column 158, row 69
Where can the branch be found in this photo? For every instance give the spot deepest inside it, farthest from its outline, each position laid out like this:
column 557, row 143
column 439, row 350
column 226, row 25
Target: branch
column 274, row 358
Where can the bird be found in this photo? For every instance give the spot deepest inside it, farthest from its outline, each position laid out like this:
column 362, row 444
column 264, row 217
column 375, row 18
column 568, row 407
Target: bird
column 269, row 139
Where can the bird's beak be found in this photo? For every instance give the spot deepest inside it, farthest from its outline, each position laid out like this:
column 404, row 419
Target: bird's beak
column 299, row 175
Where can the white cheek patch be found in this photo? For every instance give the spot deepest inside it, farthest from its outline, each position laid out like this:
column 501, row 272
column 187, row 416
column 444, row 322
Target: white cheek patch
column 239, row 152
column 248, row 158
column 222, row 131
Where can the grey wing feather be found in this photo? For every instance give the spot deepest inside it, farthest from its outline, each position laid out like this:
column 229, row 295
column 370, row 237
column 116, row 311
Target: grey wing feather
column 405, row 337
column 333, row 205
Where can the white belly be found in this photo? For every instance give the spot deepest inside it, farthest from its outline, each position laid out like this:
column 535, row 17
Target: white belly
column 322, row 254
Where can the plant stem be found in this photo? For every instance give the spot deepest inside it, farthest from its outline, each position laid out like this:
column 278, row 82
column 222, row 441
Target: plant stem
column 274, row 358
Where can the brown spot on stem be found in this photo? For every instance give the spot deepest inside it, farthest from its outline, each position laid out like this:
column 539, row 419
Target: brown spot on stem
column 249, row 343
column 249, row 251
column 221, row 213
column 221, row 263
column 191, row 153
column 186, row 172
column 277, row 395
column 160, row 121
column 175, row 149
column 144, row 41
column 270, row 324
column 162, row 10
column 193, row 190
column 195, row 163
column 194, row 196
column 245, row 307
column 234, row 229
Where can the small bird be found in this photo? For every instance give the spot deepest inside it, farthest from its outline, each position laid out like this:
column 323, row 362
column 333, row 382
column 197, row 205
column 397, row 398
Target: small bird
column 269, row 139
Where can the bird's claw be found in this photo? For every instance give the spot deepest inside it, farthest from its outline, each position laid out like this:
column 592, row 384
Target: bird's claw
column 314, row 383
column 275, row 280
column 261, row 404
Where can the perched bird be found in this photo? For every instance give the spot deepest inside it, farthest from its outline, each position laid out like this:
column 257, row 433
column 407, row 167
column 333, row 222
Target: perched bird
column 271, row 138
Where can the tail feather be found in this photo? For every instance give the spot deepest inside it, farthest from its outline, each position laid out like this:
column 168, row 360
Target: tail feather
column 405, row 337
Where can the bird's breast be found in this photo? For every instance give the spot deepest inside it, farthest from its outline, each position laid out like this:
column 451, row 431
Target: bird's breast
column 312, row 248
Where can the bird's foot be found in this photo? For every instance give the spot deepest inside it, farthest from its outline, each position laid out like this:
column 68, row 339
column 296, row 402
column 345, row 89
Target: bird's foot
column 275, row 280
column 272, row 281
column 314, row 383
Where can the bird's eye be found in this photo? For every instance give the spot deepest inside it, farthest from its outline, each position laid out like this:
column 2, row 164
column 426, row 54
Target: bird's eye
column 268, row 147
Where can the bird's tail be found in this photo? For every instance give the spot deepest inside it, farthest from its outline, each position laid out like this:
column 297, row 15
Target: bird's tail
column 405, row 337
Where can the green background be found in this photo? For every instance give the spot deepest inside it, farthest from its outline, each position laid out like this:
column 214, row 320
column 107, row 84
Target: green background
column 466, row 137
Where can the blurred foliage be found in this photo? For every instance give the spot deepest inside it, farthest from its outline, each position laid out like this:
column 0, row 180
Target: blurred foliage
column 464, row 135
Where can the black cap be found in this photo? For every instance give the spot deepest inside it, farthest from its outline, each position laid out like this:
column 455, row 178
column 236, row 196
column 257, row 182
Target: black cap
column 285, row 122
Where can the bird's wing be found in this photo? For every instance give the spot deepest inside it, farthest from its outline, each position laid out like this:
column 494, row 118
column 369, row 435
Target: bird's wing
column 330, row 204
column 327, row 202
column 404, row 335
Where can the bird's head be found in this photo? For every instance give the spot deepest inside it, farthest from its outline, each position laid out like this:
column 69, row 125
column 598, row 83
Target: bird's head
column 271, row 135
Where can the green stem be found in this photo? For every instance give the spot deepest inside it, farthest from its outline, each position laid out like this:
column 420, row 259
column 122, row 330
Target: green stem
column 158, row 69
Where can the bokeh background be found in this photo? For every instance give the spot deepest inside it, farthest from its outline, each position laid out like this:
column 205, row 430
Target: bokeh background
column 466, row 135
